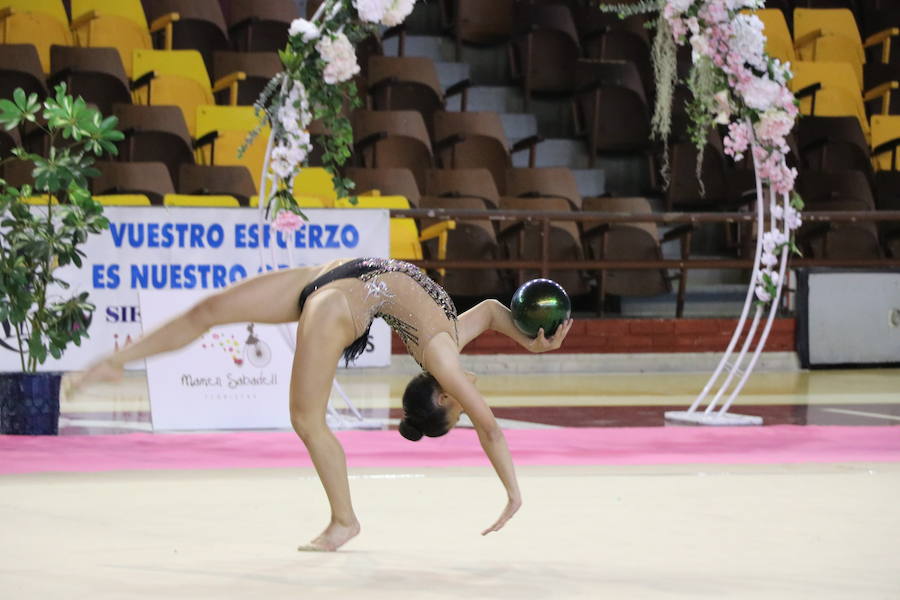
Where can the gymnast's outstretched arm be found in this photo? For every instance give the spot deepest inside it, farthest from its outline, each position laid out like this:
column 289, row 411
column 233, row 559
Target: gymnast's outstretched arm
column 442, row 361
column 491, row 314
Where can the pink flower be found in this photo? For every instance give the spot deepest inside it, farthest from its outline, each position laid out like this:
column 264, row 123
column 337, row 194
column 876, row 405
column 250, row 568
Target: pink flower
column 738, row 139
column 287, row 222
column 773, row 126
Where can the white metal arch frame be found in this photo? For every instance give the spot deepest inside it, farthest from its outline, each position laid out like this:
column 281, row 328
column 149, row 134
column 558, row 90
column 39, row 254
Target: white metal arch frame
column 734, row 367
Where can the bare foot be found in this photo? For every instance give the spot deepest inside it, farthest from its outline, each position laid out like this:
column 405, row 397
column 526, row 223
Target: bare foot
column 105, row 370
column 334, row 536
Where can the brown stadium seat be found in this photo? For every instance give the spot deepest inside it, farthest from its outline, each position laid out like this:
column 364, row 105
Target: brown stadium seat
column 203, row 180
column 41, row 23
column 387, row 181
column 833, row 143
column 684, row 191
column 410, row 83
column 458, row 183
column 473, row 239
column 836, row 191
column 261, row 25
column 20, row 67
column 477, row 140
column 608, row 88
column 546, row 182
column 200, row 25
column 154, row 134
column 478, row 22
column 95, row 74
column 633, row 241
column 604, row 36
column 258, row 67
column 545, row 43
column 149, row 179
column 524, row 241
column 119, row 24
column 395, row 138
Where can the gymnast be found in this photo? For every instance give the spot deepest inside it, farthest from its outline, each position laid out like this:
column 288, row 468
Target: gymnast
column 336, row 306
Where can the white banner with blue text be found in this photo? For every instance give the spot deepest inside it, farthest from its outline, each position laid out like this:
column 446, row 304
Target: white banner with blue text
column 198, row 251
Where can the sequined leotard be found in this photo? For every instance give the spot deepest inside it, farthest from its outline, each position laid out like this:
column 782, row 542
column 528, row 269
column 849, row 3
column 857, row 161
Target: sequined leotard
column 410, row 302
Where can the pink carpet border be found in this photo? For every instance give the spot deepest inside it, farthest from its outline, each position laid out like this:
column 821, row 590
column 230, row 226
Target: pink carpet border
column 565, row 446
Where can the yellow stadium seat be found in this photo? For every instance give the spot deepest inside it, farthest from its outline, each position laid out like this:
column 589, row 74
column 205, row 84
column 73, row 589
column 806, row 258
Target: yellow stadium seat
column 302, row 202
column 406, row 240
column 315, row 181
column 120, row 24
column 225, row 129
column 40, row 200
column 778, row 37
column 832, row 35
column 41, row 23
column 839, row 94
column 207, row 201
column 179, row 77
column 123, row 200
column 885, row 129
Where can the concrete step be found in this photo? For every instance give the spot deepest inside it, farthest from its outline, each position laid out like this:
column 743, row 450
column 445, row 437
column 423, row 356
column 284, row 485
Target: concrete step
column 556, row 152
column 501, row 99
column 518, row 126
column 428, row 46
column 591, row 182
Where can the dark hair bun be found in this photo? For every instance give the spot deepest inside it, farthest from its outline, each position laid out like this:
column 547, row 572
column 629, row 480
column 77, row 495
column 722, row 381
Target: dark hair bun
column 410, row 432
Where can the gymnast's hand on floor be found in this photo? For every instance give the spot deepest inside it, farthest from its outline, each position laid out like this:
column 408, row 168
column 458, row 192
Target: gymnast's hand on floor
column 544, row 344
column 511, row 507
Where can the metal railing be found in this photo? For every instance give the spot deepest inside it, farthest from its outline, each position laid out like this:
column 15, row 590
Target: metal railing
column 543, row 220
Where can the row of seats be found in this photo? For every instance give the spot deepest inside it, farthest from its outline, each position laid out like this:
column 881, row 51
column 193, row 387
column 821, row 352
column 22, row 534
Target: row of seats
column 128, row 25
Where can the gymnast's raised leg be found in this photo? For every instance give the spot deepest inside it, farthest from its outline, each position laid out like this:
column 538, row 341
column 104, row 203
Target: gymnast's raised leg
column 268, row 298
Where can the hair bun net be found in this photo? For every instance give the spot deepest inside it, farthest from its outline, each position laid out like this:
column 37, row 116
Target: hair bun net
column 410, row 432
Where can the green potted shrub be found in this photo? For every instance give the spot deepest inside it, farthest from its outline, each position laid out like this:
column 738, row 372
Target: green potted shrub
column 36, row 240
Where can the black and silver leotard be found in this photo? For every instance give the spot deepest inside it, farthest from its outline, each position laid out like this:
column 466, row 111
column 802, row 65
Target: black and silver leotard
column 409, row 301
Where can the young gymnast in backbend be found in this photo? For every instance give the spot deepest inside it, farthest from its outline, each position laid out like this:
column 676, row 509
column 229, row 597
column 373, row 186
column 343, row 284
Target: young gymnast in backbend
column 334, row 305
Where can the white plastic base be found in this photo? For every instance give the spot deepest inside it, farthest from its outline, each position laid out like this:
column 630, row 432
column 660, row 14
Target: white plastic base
column 702, row 418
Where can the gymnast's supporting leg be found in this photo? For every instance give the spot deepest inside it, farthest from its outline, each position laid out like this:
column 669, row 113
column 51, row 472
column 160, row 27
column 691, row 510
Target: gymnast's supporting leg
column 326, row 327
column 268, row 298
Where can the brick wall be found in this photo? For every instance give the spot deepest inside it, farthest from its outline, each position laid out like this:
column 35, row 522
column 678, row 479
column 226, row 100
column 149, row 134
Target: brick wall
column 638, row 335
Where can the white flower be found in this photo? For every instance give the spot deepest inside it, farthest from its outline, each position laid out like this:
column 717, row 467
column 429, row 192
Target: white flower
column 371, row 11
column 771, row 240
column 748, row 40
column 723, row 107
column 699, row 46
column 289, row 153
column 340, row 59
column 397, row 12
column 761, row 93
column 304, row 28
column 762, row 294
column 777, row 210
column 768, row 259
column 792, row 218
column 741, row 4
column 680, row 5
column 781, row 72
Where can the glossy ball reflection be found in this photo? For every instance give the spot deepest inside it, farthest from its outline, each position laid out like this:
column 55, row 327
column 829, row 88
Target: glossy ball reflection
column 540, row 303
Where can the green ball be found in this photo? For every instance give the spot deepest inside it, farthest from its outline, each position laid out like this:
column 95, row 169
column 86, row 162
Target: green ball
column 540, row 303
